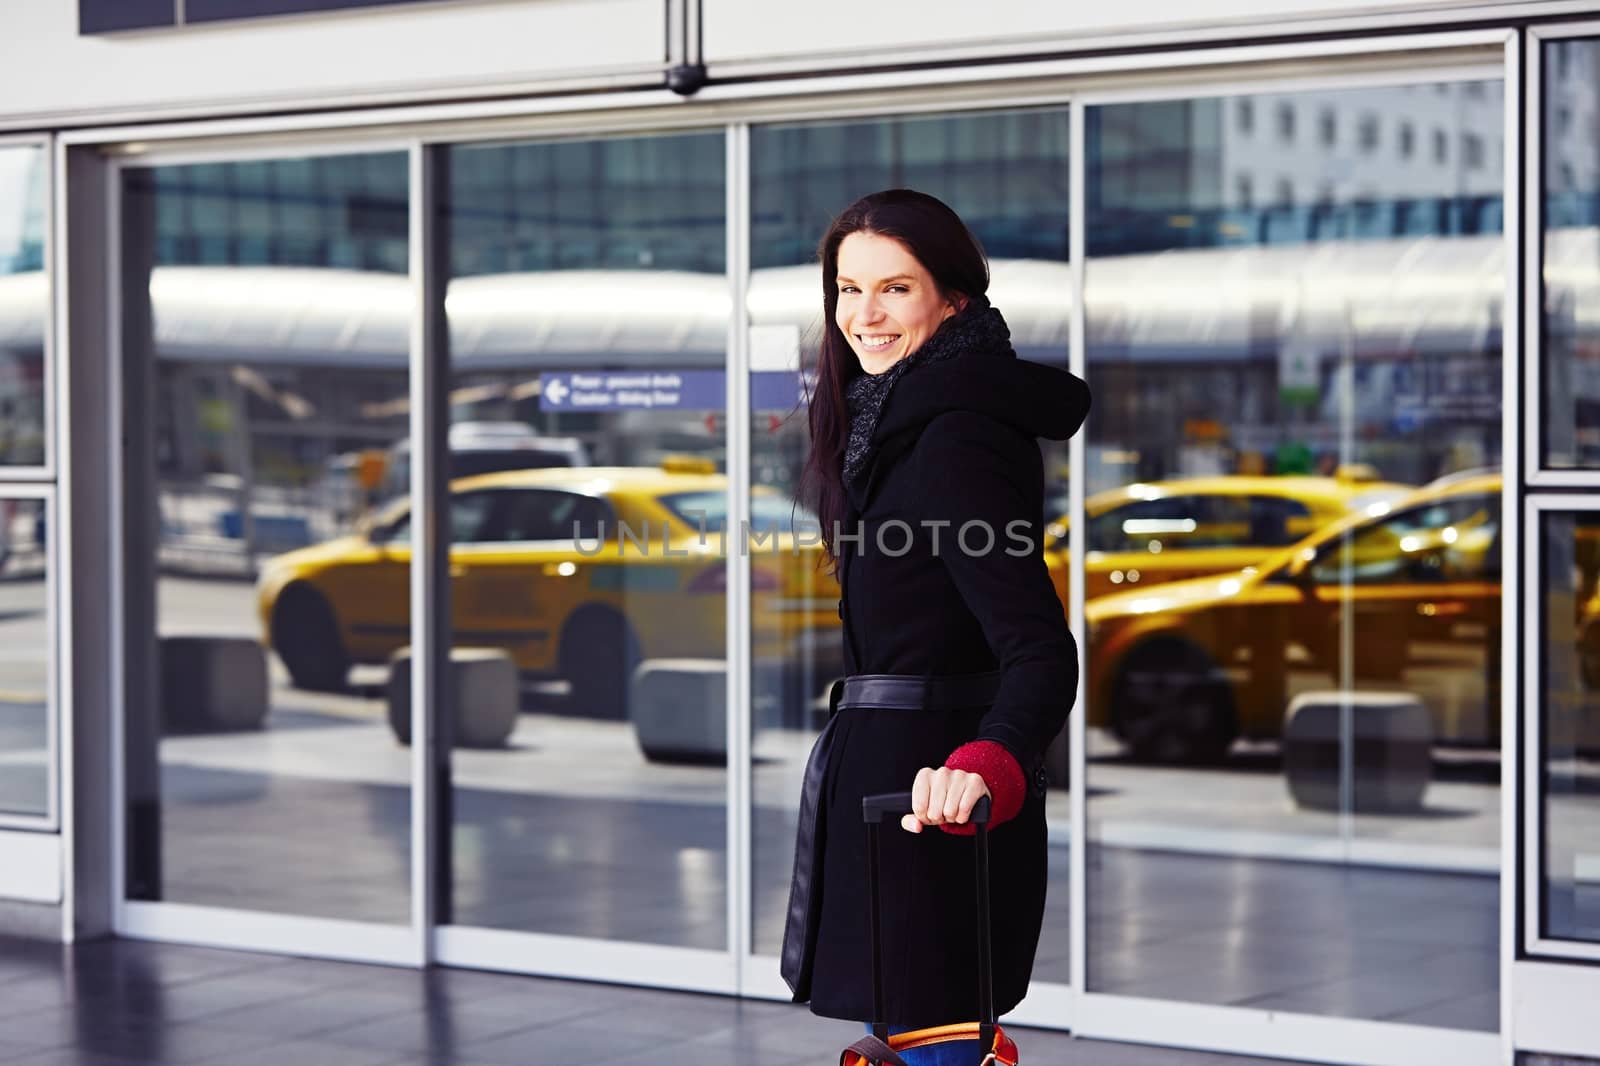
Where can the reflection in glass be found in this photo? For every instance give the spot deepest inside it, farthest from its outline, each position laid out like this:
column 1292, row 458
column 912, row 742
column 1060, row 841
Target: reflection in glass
column 25, row 712
column 265, row 335
column 1005, row 174
column 24, row 305
column 1294, row 551
column 1570, row 145
column 1569, row 724
column 588, row 331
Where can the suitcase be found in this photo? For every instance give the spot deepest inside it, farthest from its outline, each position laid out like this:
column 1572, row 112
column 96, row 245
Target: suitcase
column 881, row 1049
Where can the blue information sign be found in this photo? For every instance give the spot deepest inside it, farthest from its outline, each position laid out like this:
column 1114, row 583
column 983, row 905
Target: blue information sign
column 669, row 390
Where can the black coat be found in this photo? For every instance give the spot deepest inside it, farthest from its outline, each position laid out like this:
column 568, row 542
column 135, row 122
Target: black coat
column 955, row 443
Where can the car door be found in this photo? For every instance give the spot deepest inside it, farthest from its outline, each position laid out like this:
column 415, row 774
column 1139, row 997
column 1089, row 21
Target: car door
column 372, row 592
column 1423, row 590
column 521, row 575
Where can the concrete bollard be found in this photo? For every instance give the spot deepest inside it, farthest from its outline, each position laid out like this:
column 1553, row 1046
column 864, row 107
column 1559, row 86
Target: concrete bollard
column 483, row 693
column 1392, row 750
column 679, row 709
column 213, row 684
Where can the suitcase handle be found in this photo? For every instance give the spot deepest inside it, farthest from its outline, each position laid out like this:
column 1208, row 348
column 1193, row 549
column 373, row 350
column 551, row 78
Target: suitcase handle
column 893, row 804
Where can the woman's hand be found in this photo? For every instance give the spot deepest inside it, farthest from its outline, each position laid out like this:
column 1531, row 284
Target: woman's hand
column 942, row 795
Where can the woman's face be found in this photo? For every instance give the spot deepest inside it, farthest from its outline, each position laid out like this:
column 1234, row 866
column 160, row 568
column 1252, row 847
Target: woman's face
column 888, row 302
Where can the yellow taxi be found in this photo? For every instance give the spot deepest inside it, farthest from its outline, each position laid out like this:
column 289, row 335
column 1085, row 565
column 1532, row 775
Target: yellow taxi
column 1404, row 598
column 1155, row 532
column 578, row 573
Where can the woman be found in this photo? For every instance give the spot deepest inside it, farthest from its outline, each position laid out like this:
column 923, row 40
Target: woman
column 926, row 474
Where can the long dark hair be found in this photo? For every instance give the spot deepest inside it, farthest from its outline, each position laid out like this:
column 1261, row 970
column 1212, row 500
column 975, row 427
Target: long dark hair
column 944, row 246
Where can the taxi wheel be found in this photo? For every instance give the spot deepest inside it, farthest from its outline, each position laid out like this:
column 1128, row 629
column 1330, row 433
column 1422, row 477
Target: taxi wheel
column 598, row 654
column 1169, row 707
column 305, row 634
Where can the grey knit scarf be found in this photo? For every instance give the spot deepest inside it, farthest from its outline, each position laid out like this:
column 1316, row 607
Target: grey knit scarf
column 979, row 329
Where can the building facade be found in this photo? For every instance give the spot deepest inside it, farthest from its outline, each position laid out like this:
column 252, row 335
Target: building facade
column 402, row 405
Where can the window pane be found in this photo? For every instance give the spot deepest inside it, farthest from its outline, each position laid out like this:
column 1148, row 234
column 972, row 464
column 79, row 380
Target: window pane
column 1294, row 599
column 588, row 325
column 1569, row 723
column 266, row 347
column 1570, row 364
column 25, row 620
column 24, row 305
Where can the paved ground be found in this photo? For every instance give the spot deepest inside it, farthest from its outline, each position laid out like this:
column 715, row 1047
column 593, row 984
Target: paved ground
column 120, row 1003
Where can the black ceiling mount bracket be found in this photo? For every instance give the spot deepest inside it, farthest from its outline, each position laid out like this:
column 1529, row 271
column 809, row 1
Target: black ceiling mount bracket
column 686, row 79
column 686, row 68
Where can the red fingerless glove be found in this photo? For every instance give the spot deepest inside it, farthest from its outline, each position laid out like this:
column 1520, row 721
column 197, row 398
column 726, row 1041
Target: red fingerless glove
column 1008, row 785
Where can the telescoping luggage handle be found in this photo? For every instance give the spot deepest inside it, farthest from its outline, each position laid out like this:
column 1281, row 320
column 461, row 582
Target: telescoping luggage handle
column 895, row 804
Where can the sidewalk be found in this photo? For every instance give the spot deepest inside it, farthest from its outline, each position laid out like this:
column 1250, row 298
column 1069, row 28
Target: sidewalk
column 120, row 1003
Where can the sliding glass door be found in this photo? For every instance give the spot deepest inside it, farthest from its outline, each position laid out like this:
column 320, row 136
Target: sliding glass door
column 264, row 367
column 1292, row 568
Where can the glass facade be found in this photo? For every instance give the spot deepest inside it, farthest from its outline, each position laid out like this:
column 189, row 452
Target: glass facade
column 266, row 351
column 588, row 316
column 1005, row 173
column 1293, row 572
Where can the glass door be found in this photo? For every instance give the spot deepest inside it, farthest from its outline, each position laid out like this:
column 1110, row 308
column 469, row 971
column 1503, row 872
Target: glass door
column 264, row 368
column 589, row 524
column 1292, row 568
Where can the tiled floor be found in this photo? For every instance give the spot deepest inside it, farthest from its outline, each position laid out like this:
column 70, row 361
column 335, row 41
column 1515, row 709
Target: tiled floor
column 121, row 1003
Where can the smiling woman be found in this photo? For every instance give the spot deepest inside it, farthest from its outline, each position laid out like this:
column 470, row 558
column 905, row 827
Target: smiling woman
column 1005, row 174
column 960, row 665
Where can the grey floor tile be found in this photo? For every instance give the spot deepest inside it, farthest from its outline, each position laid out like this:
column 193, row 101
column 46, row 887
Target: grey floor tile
column 1480, row 1012
column 169, row 1044
column 12, row 1047
column 310, row 1014
column 302, row 1053
column 586, row 1041
column 71, row 1056
column 455, row 1029
column 701, row 1053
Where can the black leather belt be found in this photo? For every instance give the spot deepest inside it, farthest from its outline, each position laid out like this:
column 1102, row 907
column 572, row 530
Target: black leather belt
column 932, row 692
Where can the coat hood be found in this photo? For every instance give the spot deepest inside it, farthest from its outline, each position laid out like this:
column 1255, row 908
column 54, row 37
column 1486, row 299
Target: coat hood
column 1038, row 400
